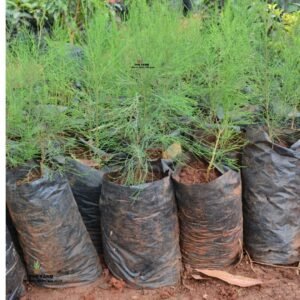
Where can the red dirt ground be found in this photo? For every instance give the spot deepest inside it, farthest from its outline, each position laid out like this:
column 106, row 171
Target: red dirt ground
column 278, row 284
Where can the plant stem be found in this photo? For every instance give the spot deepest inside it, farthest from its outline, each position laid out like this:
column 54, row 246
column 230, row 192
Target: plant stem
column 43, row 157
column 76, row 21
column 212, row 160
column 293, row 118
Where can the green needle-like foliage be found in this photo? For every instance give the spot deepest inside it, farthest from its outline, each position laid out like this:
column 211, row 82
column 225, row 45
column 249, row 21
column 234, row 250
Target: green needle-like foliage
column 277, row 76
column 138, row 108
column 154, row 79
column 39, row 98
column 222, row 74
column 288, row 70
column 20, row 92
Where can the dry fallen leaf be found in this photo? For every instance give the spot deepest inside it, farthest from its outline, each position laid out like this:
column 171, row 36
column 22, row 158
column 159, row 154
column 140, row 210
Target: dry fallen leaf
column 238, row 280
column 196, row 276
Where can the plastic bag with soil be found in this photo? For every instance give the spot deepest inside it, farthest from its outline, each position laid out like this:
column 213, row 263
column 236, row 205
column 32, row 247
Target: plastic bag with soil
column 14, row 235
column 86, row 185
column 15, row 272
column 140, row 233
column 210, row 216
column 57, row 248
column 271, row 194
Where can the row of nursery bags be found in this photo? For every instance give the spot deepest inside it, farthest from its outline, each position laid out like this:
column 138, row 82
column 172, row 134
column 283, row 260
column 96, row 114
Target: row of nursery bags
column 145, row 231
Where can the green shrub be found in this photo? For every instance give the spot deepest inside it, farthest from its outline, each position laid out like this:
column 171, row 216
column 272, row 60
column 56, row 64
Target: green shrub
column 214, row 75
column 39, row 101
column 222, row 72
column 138, row 109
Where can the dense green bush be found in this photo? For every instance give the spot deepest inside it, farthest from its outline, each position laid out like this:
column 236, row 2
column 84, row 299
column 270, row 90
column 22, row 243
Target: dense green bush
column 153, row 81
column 40, row 93
column 139, row 108
column 41, row 14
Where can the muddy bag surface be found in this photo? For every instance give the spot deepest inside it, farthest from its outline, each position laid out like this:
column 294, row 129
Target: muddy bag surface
column 15, row 272
column 86, row 185
column 140, row 233
column 211, row 221
column 271, row 184
column 57, row 248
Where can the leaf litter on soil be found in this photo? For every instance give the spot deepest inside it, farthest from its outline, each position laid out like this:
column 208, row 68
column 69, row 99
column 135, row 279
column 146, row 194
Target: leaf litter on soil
column 238, row 280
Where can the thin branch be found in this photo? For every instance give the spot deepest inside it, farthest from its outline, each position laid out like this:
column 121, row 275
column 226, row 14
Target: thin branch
column 211, row 163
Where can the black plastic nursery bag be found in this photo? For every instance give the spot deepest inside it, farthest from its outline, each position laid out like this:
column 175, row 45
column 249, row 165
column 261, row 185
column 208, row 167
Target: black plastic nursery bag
column 14, row 235
column 57, row 248
column 86, row 185
column 140, row 233
column 211, row 221
column 15, row 272
column 271, row 183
